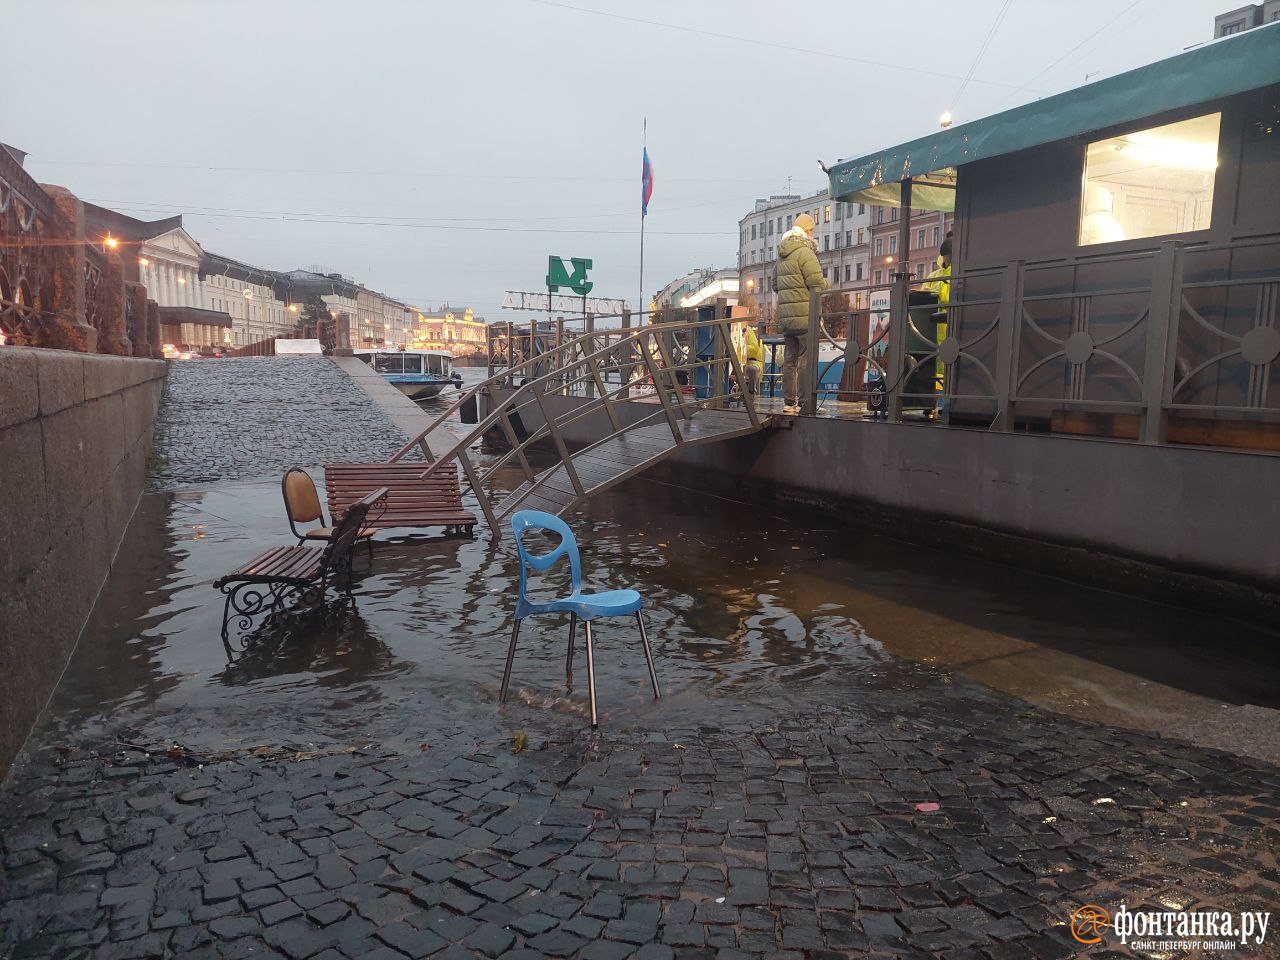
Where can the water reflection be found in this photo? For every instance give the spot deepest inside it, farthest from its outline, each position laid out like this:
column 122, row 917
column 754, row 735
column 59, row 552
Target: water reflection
column 332, row 644
column 742, row 602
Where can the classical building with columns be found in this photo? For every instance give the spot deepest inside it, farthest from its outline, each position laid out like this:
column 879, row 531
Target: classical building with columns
column 166, row 260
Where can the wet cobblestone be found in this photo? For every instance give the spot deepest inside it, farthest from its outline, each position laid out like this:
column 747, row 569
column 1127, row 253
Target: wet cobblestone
column 387, row 818
column 782, row 833
column 253, row 417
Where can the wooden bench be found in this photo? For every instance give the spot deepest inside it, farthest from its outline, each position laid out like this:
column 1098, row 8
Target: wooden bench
column 411, row 500
column 274, row 583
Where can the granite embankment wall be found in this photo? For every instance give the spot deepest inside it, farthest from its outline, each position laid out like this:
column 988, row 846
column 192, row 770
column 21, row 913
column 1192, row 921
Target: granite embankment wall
column 75, row 432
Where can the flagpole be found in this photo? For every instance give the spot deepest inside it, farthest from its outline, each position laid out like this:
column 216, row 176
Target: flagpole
column 640, row 306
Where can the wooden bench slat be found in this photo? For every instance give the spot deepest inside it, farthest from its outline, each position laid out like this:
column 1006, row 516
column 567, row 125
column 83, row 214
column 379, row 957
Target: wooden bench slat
column 411, row 501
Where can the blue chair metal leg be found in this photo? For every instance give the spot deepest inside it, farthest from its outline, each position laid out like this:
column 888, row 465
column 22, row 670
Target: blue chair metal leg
column 568, row 663
column 591, row 677
column 648, row 656
column 511, row 655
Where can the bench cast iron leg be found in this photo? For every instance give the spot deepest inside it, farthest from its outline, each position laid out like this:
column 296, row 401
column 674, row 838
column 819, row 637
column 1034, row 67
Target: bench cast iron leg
column 226, row 613
column 568, row 663
column 511, row 655
column 648, row 656
column 591, row 677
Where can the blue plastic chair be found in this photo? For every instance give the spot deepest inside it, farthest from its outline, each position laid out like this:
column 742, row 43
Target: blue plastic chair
column 579, row 605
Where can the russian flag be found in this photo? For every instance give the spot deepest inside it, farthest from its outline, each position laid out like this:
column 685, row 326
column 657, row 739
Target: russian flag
column 646, row 184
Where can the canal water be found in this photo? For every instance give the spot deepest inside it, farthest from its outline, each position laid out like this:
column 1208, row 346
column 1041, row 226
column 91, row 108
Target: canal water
column 742, row 603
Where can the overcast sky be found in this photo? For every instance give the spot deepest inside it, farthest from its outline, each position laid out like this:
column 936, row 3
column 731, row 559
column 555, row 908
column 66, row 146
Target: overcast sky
column 438, row 151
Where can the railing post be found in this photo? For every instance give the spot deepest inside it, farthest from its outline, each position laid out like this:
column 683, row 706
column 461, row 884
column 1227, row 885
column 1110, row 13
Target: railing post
column 510, row 432
column 657, row 385
column 477, row 487
column 1009, row 323
column 808, row 389
column 589, row 331
column 748, row 401
column 896, row 375
column 624, row 365
column 558, row 440
column 1163, row 317
column 604, row 394
column 672, row 377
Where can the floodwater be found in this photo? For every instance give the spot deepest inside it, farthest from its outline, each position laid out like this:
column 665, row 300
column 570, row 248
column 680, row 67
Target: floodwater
column 742, row 602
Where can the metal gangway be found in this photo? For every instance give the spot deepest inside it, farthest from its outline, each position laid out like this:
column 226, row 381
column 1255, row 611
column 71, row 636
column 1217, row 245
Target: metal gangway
column 629, row 381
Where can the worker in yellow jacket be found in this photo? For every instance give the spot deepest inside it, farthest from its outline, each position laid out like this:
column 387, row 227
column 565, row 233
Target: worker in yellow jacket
column 939, row 281
column 751, row 356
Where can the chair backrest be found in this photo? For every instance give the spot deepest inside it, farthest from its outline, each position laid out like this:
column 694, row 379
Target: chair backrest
column 526, row 520
column 337, row 552
column 301, row 501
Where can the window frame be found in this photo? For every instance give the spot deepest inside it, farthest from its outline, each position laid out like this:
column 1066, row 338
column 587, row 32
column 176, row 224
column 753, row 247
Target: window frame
column 1225, row 181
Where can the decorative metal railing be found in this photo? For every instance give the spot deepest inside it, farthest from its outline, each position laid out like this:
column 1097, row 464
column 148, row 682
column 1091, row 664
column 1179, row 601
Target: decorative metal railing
column 33, row 234
column 603, row 367
column 1180, row 330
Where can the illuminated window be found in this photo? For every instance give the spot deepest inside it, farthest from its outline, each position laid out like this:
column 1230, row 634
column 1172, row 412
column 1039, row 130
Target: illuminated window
column 826, row 214
column 1150, row 183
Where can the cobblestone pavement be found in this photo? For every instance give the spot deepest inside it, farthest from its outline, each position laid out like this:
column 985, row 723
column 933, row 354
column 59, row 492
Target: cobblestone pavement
column 778, row 831
column 258, row 416
column 356, row 791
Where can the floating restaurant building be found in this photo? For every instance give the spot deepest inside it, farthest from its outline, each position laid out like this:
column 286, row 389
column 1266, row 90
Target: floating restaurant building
column 1116, row 262
column 1108, row 361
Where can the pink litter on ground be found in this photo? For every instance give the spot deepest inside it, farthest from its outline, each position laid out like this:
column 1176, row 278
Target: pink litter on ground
column 927, row 807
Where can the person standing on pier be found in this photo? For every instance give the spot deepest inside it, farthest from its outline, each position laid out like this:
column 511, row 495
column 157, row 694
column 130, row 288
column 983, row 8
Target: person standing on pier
column 799, row 275
column 751, row 356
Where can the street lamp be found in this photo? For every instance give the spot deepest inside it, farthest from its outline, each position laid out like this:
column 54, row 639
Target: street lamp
column 248, row 314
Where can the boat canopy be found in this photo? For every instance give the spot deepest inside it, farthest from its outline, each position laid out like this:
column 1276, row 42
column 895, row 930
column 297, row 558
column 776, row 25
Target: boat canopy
column 1222, row 68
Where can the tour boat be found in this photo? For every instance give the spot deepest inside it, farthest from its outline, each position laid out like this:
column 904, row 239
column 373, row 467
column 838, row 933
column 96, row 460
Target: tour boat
column 418, row 374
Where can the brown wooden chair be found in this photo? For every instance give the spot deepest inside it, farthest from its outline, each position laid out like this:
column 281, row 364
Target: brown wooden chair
column 274, row 583
column 302, row 505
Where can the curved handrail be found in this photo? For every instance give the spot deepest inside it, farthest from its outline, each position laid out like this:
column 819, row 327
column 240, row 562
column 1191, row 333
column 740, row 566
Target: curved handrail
column 630, row 348
column 633, row 336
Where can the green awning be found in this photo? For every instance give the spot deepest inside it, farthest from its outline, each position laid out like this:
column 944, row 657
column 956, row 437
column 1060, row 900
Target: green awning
column 1223, row 68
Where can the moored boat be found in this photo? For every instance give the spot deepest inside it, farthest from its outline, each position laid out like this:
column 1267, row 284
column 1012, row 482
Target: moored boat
column 418, row 374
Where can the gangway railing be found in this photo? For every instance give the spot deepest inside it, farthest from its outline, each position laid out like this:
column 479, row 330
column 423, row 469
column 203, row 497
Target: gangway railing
column 1182, row 334
column 604, row 367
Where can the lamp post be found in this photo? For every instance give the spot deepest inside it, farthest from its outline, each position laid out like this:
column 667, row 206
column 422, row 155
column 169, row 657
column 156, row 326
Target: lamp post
column 248, row 313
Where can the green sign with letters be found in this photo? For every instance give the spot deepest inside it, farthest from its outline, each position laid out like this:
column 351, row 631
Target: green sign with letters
column 558, row 275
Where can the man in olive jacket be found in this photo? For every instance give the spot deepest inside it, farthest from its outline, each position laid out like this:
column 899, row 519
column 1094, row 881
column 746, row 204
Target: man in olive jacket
column 799, row 274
